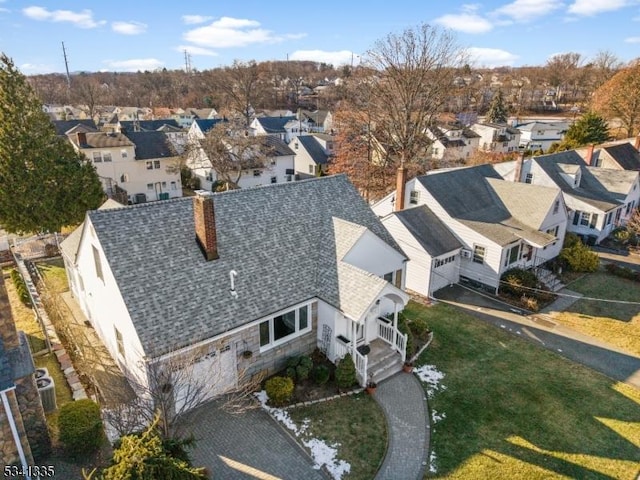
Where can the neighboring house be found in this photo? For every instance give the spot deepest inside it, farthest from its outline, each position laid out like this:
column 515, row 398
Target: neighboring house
column 199, row 128
column 285, row 128
column 278, row 168
column 23, row 428
column 239, row 281
column 153, row 175
column 176, row 135
column 541, row 135
column 319, row 121
column 64, row 127
column 500, row 224
column 598, row 199
column 619, row 156
column 497, row 138
column 434, row 252
column 312, row 154
column 452, row 143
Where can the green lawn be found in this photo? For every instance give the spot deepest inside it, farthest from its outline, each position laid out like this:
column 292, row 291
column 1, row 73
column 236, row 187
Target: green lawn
column 618, row 324
column 356, row 423
column 54, row 274
column 513, row 410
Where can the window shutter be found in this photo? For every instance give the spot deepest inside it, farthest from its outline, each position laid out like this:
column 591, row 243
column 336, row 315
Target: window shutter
column 576, row 217
column 594, row 220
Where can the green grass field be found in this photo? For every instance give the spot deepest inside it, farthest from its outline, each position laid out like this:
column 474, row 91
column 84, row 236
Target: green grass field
column 513, row 410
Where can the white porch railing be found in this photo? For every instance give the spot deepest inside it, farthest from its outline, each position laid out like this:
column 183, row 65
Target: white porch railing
column 385, row 331
column 393, row 337
column 361, row 367
column 401, row 345
column 341, row 348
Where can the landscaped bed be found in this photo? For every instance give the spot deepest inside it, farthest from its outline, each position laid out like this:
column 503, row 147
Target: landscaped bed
column 509, row 409
column 615, row 323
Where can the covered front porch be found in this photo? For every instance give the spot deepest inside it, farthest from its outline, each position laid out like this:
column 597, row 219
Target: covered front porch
column 375, row 343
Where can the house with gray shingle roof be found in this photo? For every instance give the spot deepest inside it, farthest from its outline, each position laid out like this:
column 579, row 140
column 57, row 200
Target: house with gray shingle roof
column 285, row 128
column 598, row 199
column 621, row 155
column 452, row 143
column 240, row 280
column 313, row 153
column 497, row 138
column 500, row 224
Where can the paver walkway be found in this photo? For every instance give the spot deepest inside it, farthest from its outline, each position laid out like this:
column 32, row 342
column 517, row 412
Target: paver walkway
column 403, row 400
column 246, row 446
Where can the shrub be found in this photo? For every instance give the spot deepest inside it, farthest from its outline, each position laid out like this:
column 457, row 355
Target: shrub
column 518, row 282
column 623, row 272
column 80, row 425
column 21, row 287
column 530, row 303
column 346, row 372
column 621, row 235
column 570, row 240
column 302, row 372
column 403, row 326
column 279, row 390
column 419, row 327
column 299, row 368
column 579, row 258
column 321, row 374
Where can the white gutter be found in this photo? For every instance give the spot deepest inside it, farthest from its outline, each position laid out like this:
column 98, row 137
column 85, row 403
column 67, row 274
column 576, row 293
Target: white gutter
column 14, row 431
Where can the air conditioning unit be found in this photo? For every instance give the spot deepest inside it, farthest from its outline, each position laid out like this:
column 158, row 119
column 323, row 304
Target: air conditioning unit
column 47, row 390
column 464, row 253
column 41, row 372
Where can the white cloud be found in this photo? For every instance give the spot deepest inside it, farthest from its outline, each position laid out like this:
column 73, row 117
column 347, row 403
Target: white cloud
column 593, row 7
column 34, row 68
column 490, row 57
column 336, row 58
column 134, row 65
column 193, row 50
column 228, row 32
column 632, row 40
column 195, row 19
column 83, row 19
column 526, row 10
column 465, row 22
column 129, row 28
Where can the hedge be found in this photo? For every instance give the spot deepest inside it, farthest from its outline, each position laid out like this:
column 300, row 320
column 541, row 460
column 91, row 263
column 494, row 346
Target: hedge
column 80, row 425
column 21, row 287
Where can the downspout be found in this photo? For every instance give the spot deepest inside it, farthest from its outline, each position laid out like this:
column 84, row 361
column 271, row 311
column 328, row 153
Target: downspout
column 16, row 436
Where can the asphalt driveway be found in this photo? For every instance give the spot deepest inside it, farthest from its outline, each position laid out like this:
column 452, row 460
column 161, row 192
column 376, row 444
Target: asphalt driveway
column 540, row 329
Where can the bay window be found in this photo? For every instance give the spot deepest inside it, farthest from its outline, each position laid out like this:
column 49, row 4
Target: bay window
column 284, row 326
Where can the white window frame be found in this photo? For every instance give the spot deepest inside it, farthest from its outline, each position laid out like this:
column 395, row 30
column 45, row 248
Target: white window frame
column 156, row 164
column 476, row 254
column 106, row 157
column 97, row 157
column 149, row 164
column 119, row 342
column 298, row 333
column 414, row 197
column 124, row 154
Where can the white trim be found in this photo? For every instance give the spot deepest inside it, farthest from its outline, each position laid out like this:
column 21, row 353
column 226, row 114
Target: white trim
column 298, row 333
column 14, row 431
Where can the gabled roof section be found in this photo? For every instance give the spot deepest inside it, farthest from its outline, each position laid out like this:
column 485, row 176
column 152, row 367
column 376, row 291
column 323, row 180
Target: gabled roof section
column 206, row 124
column 274, row 124
column 314, row 149
column 319, row 116
column 63, row 126
column 528, row 203
column 147, row 125
column 277, row 147
column 625, row 155
column 428, row 230
column 102, row 140
column 618, row 182
column 152, row 145
column 590, row 190
column 280, row 239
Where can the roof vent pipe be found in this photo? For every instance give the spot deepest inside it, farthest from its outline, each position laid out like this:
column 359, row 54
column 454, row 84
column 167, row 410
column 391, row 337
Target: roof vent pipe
column 232, row 279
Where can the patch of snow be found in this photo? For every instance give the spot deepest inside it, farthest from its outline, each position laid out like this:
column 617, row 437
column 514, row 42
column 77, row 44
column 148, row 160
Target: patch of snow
column 430, row 375
column 560, row 350
column 436, row 417
column 519, row 332
column 321, row 452
column 502, row 326
column 433, row 468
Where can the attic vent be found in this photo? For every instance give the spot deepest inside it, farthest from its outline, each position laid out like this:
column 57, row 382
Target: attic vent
column 464, row 253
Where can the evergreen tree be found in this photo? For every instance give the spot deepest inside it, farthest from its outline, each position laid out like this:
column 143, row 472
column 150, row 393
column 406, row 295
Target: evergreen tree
column 44, row 183
column 590, row 129
column 346, row 372
column 498, row 112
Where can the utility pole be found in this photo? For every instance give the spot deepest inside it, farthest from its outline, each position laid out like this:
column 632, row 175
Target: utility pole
column 66, row 66
column 187, row 67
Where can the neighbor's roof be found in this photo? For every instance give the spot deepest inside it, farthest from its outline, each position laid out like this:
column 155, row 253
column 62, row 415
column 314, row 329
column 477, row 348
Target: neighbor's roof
column 152, row 145
column 428, row 230
column 467, row 194
column 63, row 126
column 274, row 124
column 313, row 148
column 147, row 125
column 618, row 182
column 102, row 140
column 280, row 239
column 206, row 124
column 277, row 146
column 590, row 190
column 625, row 155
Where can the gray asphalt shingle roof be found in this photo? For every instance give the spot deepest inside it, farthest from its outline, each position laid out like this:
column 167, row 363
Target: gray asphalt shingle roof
column 152, row 144
column 625, row 155
column 63, row 126
column 147, row 125
column 314, row 149
column 280, row 239
column 432, row 234
column 274, row 124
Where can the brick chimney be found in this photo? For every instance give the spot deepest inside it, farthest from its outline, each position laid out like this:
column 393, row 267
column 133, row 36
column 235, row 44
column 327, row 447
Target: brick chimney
column 82, row 138
column 401, row 181
column 637, row 143
column 205, row 224
column 518, row 171
column 589, row 157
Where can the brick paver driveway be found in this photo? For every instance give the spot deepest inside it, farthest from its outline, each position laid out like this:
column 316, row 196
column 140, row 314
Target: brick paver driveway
column 246, row 446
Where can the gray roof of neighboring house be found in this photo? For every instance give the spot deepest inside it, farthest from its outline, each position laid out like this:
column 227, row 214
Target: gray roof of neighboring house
column 590, row 190
column 428, row 230
column 277, row 146
column 102, row 140
column 467, row 195
column 280, row 239
column 206, row 124
column 617, row 182
column 319, row 116
column 152, row 145
column 146, row 125
column 274, row 124
column 63, row 126
column 625, row 155
column 314, row 149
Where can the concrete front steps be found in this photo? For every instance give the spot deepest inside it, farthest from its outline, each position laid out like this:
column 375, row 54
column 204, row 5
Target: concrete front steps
column 549, row 279
column 382, row 361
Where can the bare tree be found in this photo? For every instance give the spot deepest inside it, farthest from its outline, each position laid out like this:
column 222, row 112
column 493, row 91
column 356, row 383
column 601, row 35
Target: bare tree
column 241, row 86
column 414, row 72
